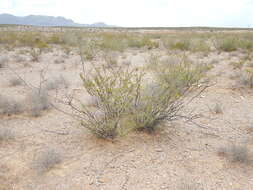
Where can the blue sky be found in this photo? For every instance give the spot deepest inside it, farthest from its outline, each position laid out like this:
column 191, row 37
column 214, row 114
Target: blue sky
column 227, row 13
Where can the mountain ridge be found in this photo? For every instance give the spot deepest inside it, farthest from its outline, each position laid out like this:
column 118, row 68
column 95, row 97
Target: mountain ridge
column 42, row 20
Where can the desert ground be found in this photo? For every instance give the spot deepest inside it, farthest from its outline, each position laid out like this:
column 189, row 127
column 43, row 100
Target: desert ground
column 44, row 146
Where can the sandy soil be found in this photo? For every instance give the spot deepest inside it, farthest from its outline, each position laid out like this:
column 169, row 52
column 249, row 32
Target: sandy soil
column 184, row 156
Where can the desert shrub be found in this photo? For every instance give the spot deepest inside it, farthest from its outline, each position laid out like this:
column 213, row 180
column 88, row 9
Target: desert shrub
column 15, row 81
column 200, row 45
column 10, row 107
column 161, row 100
column 141, row 41
column 236, row 153
column 3, row 61
column 227, row 44
column 115, row 97
column 56, row 83
column 19, row 58
column 35, row 54
column 246, row 78
column 38, row 102
column 88, row 49
column 6, row 134
column 238, row 64
column 46, row 161
column 183, row 44
column 112, row 42
column 59, row 61
column 125, row 100
column 217, row 108
column 111, row 59
column 55, row 38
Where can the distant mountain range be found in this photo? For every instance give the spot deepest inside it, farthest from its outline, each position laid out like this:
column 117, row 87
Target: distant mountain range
column 40, row 20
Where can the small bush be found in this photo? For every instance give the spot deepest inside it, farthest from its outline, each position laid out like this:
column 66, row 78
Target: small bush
column 35, row 54
column 47, row 160
column 236, row 154
column 56, row 83
column 125, row 101
column 228, row 44
column 217, row 108
column 3, row 61
column 177, row 44
column 15, row 81
column 38, row 102
column 10, row 107
column 5, row 134
column 246, row 78
column 114, row 96
column 238, row 65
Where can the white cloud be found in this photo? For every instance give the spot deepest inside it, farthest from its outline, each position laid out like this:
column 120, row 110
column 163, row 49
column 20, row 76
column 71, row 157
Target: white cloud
column 140, row 12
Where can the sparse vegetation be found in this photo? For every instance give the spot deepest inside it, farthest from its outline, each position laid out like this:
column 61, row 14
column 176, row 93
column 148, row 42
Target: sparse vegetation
column 46, row 161
column 56, row 83
column 238, row 65
column 3, row 61
column 125, row 102
column 236, row 153
column 5, row 134
column 38, row 102
column 246, row 78
column 15, row 81
column 10, row 107
column 218, row 108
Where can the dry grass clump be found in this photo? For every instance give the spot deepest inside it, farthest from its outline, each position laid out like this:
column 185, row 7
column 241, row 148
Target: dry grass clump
column 15, row 81
column 179, row 44
column 227, row 44
column 35, row 54
column 238, row 65
column 246, row 78
column 46, row 161
column 141, row 41
column 218, row 108
column 3, row 61
column 5, row 135
column 236, row 154
column 56, row 83
column 38, row 102
column 10, row 107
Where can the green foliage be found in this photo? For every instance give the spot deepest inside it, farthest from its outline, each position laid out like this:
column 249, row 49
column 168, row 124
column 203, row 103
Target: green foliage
column 238, row 64
column 228, row 44
column 115, row 97
column 141, row 41
column 126, row 100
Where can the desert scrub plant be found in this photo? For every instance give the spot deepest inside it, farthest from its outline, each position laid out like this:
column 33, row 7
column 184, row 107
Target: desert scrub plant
column 10, row 107
column 3, row 61
column 238, row 64
column 35, row 54
column 15, row 81
column 56, row 83
column 183, row 44
column 5, row 135
column 200, row 45
column 217, row 109
column 124, row 101
column 227, row 44
column 38, row 102
column 112, row 42
column 141, row 41
column 161, row 100
column 246, row 78
column 236, row 153
column 114, row 96
column 46, row 160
